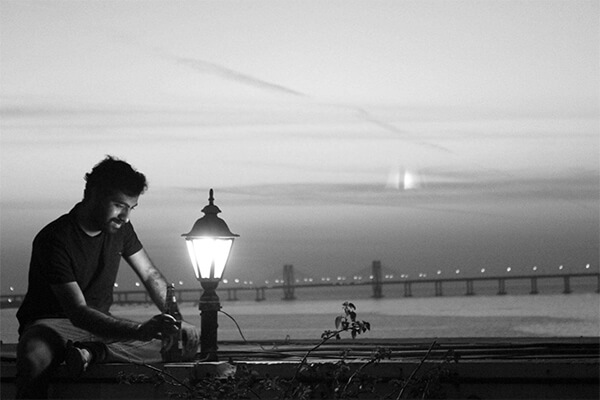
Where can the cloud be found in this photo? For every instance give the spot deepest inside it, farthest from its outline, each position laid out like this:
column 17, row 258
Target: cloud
column 444, row 193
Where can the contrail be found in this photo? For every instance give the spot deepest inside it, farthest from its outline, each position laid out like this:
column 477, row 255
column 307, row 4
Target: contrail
column 207, row 67
column 391, row 128
column 223, row 72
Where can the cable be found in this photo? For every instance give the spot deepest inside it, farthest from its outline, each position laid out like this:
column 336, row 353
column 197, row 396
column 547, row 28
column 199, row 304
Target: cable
column 238, row 327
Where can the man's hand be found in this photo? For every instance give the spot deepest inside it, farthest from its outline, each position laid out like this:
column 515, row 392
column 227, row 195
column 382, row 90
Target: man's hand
column 190, row 336
column 156, row 326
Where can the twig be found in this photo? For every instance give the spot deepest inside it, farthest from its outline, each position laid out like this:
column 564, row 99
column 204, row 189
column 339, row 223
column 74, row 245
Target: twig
column 358, row 370
column 415, row 371
column 162, row 372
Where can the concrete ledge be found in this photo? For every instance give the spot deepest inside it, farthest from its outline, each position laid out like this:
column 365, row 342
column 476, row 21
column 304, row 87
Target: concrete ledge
column 475, row 368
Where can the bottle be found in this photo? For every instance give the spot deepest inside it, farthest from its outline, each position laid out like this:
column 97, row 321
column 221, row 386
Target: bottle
column 172, row 346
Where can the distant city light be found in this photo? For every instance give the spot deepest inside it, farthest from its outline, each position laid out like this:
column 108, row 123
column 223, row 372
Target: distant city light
column 587, row 266
column 236, row 280
column 439, row 272
column 116, row 284
column 225, row 281
column 458, row 271
column 137, row 284
column 10, row 300
column 482, row 270
column 12, row 289
column 180, row 283
column 561, row 267
column 267, row 282
column 535, row 268
column 250, row 283
column 371, row 277
column 508, row 269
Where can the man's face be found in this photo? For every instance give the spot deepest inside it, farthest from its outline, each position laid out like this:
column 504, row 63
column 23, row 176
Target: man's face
column 112, row 212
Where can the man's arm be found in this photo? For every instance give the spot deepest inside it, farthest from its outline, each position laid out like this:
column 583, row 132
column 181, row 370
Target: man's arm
column 156, row 285
column 82, row 316
column 151, row 277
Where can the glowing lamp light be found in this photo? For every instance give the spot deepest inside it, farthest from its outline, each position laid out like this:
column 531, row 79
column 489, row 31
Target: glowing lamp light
column 209, row 243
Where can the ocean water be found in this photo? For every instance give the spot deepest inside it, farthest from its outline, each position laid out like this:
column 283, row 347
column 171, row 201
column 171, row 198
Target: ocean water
column 518, row 315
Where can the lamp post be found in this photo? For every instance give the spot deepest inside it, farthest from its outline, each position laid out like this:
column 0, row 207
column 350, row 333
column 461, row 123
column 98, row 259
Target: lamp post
column 209, row 243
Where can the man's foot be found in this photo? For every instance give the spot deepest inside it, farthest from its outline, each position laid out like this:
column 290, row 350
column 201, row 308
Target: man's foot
column 77, row 359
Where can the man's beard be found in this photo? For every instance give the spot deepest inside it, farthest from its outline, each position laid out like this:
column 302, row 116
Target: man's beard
column 113, row 225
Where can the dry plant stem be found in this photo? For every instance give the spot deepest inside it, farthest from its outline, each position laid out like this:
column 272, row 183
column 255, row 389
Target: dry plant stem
column 325, row 339
column 162, row 372
column 358, row 370
column 415, row 371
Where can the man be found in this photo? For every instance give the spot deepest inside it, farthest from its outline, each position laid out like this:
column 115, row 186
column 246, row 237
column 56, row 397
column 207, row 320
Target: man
column 74, row 264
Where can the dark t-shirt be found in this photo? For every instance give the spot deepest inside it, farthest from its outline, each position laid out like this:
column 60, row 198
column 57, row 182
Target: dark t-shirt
column 63, row 252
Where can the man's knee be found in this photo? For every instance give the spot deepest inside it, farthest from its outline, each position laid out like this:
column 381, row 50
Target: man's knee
column 39, row 348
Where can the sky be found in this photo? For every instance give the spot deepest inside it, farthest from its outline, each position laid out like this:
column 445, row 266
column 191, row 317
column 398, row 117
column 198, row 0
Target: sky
column 434, row 136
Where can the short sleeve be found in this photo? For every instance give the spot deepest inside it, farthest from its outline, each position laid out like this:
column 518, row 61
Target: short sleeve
column 131, row 243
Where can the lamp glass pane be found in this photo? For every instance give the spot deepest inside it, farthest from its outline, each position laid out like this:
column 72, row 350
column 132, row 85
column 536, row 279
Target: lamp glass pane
column 209, row 256
column 192, row 252
column 222, row 249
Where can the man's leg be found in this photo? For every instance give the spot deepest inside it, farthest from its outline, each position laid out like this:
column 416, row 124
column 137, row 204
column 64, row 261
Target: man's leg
column 39, row 352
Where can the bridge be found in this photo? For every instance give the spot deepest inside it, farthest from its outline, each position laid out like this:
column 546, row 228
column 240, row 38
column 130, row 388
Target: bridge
column 288, row 284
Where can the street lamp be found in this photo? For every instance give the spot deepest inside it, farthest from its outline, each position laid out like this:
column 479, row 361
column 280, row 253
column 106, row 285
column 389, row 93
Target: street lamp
column 209, row 243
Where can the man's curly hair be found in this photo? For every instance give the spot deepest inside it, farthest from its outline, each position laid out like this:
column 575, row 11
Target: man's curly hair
column 112, row 175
